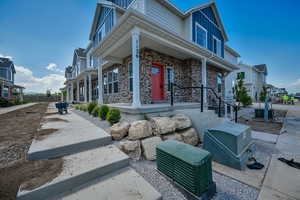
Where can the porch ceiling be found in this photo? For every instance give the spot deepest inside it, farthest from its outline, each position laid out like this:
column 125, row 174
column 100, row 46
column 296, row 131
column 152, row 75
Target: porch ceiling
column 117, row 45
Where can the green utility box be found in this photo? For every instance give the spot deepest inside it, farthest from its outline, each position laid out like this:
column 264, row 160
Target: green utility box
column 188, row 166
column 230, row 144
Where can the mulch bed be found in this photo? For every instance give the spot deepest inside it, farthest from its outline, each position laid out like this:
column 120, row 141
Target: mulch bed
column 18, row 128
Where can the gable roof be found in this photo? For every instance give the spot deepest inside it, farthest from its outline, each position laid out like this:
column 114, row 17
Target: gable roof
column 231, row 51
column 261, row 68
column 97, row 14
column 7, row 63
column 185, row 14
column 79, row 52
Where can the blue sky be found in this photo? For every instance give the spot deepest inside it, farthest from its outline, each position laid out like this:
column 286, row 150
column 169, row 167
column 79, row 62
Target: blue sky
column 41, row 35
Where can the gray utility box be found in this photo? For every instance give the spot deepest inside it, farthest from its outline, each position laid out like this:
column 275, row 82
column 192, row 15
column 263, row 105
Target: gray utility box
column 230, row 144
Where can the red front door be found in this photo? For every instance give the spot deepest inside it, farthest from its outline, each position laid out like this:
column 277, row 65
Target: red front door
column 157, row 74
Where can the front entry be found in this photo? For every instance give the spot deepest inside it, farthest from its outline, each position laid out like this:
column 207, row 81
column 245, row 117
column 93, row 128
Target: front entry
column 157, row 75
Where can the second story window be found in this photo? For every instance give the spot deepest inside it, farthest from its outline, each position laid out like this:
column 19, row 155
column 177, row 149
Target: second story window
column 217, row 45
column 201, row 35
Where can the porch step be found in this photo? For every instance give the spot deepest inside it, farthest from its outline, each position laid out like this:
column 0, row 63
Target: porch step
column 74, row 135
column 78, row 169
column 124, row 184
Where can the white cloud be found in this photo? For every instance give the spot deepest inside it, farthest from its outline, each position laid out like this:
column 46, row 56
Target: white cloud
column 53, row 67
column 3, row 56
column 26, row 78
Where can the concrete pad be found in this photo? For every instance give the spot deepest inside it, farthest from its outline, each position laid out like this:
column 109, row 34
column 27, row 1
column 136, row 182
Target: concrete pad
column 253, row 178
column 73, row 136
column 79, row 169
column 125, row 185
column 267, row 137
column 282, row 178
column 13, row 108
column 288, row 144
column 270, row 194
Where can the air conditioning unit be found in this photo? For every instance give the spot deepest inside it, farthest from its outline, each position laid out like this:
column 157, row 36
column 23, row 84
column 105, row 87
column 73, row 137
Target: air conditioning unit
column 230, row 144
column 188, row 166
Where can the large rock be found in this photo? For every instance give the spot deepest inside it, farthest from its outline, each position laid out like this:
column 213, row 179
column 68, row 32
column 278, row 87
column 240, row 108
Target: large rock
column 190, row 136
column 174, row 136
column 131, row 148
column 182, row 121
column 149, row 147
column 163, row 125
column 119, row 130
column 139, row 130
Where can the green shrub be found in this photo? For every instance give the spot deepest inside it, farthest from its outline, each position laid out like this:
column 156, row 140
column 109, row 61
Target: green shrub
column 113, row 116
column 91, row 107
column 77, row 107
column 84, row 108
column 5, row 103
column 103, row 112
column 95, row 111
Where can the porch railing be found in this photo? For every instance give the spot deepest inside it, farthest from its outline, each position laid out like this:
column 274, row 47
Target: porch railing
column 202, row 88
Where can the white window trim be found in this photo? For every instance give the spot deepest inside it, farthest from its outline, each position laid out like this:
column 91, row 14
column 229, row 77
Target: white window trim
column 199, row 26
column 218, row 40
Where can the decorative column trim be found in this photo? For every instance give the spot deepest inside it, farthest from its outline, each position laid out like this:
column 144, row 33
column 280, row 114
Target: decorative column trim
column 85, row 89
column 90, row 87
column 136, row 99
column 78, row 92
column 204, row 77
column 72, row 92
column 100, row 85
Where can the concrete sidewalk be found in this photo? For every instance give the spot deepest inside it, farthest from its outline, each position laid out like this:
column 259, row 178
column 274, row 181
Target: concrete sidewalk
column 282, row 182
column 13, row 108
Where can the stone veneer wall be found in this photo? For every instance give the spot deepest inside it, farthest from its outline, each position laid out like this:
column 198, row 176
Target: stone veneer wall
column 187, row 73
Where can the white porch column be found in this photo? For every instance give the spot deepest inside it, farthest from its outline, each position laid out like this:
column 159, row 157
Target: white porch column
column 90, row 87
column 68, row 94
column 62, row 96
column 135, row 34
column 85, row 89
column 204, row 78
column 72, row 92
column 100, row 85
column 78, row 92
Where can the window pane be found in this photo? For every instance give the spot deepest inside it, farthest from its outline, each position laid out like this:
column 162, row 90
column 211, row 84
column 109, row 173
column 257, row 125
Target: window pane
column 169, row 77
column 109, row 77
column 116, row 87
column 131, row 84
column 3, row 73
column 201, row 36
column 115, row 74
column 110, row 88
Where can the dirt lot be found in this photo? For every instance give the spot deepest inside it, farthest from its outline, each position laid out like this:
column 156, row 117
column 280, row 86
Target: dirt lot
column 17, row 129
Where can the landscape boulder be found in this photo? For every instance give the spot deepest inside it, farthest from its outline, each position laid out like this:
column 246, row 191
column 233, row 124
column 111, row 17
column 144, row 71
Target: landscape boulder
column 182, row 121
column 190, row 136
column 149, row 147
column 131, row 148
column 119, row 130
column 163, row 125
column 174, row 136
column 139, row 130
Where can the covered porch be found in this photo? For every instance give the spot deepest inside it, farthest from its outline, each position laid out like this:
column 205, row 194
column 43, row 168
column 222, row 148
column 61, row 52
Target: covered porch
column 148, row 59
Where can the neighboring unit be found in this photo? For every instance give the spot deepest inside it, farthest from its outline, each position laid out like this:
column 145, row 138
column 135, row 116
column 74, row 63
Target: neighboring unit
column 254, row 78
column 8, row 89
column 138, row 48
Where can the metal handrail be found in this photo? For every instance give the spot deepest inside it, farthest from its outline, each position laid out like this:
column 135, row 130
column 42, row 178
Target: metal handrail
column 235, row 107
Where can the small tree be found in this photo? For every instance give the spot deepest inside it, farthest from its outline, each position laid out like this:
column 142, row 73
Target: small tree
column 263, row 95
column 241, row 94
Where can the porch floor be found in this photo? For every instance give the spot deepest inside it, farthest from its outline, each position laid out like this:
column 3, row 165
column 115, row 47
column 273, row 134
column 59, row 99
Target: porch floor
column 153, row 108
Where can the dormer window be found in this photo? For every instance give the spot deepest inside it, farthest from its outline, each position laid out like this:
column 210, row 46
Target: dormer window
column 201, row 35
column 217, row 45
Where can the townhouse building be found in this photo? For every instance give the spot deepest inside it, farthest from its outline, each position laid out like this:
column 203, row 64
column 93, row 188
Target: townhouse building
column 138, row 47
